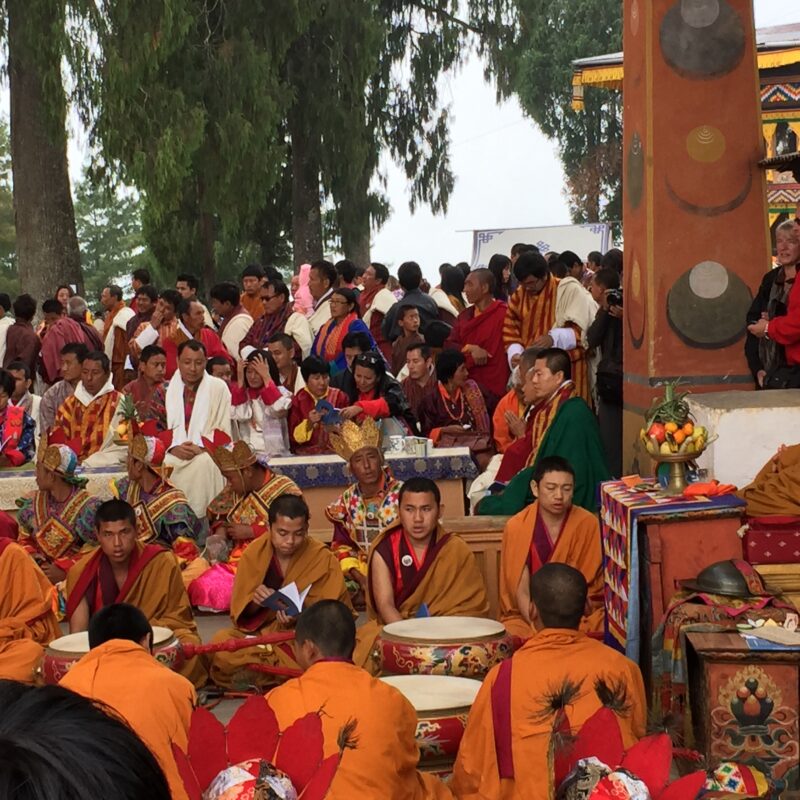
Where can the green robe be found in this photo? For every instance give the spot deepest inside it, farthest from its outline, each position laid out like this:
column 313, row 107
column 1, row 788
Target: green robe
column 573, row 435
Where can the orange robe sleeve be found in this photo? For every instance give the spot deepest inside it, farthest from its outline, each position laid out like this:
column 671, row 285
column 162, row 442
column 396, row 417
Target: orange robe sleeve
column 27, row 595
column 20, row 655
column 775, row 493
column 502, row 435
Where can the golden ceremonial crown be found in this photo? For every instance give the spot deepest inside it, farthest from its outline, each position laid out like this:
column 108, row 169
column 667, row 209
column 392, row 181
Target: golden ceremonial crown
column 229, row 458
column 58, row 454
column 150, row 445
column 353, row 438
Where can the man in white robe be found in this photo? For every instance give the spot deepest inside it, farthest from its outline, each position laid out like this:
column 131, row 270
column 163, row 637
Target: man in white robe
column 197, row 404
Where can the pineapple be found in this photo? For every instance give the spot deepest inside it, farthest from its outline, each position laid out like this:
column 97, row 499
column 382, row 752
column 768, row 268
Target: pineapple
column 127, row 409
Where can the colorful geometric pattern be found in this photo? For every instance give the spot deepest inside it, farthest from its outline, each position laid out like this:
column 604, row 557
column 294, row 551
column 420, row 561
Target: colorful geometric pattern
column 780, row 93
column 621, row 509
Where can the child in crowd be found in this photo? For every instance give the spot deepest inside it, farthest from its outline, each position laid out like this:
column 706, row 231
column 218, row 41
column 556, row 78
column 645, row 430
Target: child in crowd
column 408, row 321
column 261, row 405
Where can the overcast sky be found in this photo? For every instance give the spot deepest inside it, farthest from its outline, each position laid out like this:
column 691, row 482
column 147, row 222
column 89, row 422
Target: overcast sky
column 507, row 173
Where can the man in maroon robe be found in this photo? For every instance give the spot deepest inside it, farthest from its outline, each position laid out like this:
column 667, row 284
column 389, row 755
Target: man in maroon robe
column 478, row 333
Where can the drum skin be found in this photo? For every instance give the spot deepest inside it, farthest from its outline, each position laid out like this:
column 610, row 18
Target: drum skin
column 57, row 663
column 464, row 657
column 442, row 704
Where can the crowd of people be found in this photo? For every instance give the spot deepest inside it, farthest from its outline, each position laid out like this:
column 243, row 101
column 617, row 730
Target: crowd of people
column 516, row 362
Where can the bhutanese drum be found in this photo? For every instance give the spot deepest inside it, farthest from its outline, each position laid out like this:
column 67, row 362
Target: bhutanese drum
column 63, row 652
column 466, row 647
column 442, row 703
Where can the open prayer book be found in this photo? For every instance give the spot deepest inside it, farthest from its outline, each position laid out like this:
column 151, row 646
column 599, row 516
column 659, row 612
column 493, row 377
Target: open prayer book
column 288, row 599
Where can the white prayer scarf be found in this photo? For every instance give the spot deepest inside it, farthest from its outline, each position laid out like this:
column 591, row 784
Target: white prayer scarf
column 176, row 421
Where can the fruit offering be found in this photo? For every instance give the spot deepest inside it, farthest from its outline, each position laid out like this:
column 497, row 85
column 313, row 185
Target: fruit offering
column 669, row 429
column 129, row 415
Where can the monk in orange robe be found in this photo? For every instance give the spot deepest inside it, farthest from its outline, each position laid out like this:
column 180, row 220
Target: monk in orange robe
column 383, row 762
column 552, row 529
column 284, row 554
column 773, row 491
column 123, row 569
column 417, row 563
column 120, row 672
column 509, row 745
column 27, row 621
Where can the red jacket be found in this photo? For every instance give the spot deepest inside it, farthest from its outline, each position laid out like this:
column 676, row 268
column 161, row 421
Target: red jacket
column 786, row 330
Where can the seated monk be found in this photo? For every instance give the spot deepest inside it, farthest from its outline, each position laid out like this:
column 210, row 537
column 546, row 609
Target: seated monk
column 508, row 744
column 417, row 564
column 384, row 762
column 56, row 524
column 455, row 414
column 284, row 554
column 307, row 432
column 90, row 414
column 124, row 570
column 236, row 516
column 163, row 514
column 17, row 428
column 120, row 672
column 149, row 390
column 367, row 507
column 509, row 421
column 552, row 529
column 559, row 424
column 197, row 403
column 774, row 492
column 27, row 621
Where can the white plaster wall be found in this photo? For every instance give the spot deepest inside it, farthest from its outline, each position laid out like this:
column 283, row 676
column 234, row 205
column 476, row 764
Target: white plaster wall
column 751, row 426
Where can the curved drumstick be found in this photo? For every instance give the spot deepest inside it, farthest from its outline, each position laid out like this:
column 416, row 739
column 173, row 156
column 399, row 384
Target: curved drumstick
column 231, row 645
column 266, row 668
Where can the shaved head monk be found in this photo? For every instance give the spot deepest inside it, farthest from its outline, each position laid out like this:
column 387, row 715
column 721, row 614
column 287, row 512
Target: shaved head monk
column 506, row 750
column 120, row 672
column 417, row 568
column 27, row 621
column 123, row 569
column 383, row 762
column 284, row 554
column 552, row 529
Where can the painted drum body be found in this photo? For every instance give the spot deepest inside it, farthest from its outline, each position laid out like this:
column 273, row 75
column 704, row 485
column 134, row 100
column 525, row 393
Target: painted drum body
column 466, row 647
column 442, row 703
column 63, row 652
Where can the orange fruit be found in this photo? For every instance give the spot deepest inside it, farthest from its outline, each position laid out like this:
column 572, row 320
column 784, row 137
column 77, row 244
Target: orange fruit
column 671, row 427
column 688, row 429
column 679, row 437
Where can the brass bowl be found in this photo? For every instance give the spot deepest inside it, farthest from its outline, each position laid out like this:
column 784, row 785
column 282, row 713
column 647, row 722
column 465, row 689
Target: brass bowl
column 677, row 470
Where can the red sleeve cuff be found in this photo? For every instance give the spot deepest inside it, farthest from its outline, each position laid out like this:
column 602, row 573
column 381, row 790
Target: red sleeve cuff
column 270, row 394
column 374, row 408
column 15, row 457
column 238, row 394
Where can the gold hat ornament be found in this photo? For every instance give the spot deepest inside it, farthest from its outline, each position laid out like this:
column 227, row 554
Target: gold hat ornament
column 150, row 445
column 228, row 457
column 353, row 438
column 59, row 455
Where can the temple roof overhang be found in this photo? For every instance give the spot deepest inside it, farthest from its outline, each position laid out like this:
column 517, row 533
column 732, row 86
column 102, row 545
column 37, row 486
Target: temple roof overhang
column 777, row 46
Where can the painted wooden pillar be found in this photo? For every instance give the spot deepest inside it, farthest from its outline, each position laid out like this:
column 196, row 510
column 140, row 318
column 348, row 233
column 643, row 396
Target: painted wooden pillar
column 695, row 216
